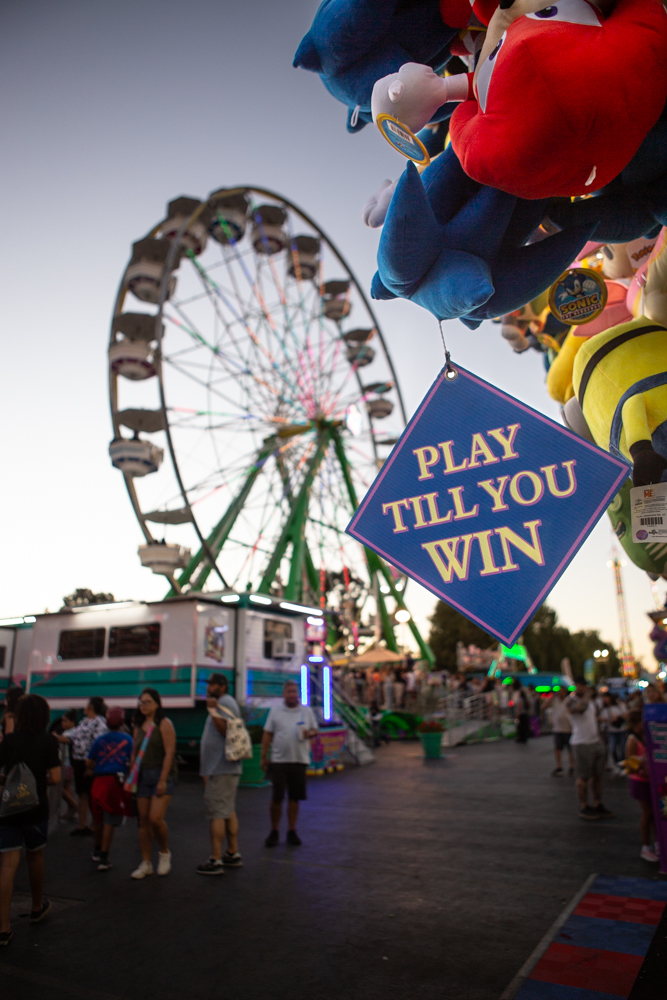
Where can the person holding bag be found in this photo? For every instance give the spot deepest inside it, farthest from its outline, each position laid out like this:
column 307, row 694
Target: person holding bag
column 153, row 771
column 30, row 760
column 224, row 744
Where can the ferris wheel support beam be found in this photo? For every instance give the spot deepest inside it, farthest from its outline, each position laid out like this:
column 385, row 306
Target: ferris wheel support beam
column 311, row 572
column 377, row 567
column 294, row 530
column 222, row 529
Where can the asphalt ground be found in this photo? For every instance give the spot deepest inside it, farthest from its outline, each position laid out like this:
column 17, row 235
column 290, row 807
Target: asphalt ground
column 416, row 879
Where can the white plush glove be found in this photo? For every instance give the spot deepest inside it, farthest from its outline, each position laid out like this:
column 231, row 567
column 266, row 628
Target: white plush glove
column 415, row 93
column 375, row 209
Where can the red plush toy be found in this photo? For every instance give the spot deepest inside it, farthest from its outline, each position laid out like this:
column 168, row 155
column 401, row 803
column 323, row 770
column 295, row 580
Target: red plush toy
column 561, row 108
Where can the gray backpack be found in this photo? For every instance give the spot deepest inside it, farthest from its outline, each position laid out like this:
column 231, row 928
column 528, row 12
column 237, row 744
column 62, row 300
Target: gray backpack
column 20, row 791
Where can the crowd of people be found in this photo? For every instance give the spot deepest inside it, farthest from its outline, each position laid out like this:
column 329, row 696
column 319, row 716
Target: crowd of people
column 105, row 770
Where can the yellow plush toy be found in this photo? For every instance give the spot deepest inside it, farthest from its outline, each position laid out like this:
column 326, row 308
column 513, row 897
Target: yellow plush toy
column 619, row 378
column 559, row 376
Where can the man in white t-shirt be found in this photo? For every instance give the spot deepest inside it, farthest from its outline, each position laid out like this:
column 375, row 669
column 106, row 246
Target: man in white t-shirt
column 562, row 730
column 287, row 731
column 590, row 754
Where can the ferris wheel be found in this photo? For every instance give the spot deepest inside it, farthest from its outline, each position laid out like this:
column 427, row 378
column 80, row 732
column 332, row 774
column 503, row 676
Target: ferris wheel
column 253, row 401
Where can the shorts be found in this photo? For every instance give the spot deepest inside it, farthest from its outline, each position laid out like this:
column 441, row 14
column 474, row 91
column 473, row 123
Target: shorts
column 291, row 777
column 148, row 779
column 220, row 795
column 589, row 760
column 640, row 790
column 561, row 740
column 32, row 836
column 82, row 782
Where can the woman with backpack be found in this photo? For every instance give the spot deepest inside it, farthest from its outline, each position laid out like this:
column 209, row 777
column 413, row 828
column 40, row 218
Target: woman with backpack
column 30, row 761
column 153, row 769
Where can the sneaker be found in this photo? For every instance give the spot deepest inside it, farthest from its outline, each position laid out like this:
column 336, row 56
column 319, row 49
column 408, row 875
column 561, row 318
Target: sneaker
column 5, row 938
column 104, row 866
column 557, row 772
column 603, row 812
column 272, row 839
column 293, row 838
column 588, row 812
column 211, row 867
column 647, row 854
column 232, row 860
column 144, row 869
column 164, row 863
column 37, row 915
column 96, row 856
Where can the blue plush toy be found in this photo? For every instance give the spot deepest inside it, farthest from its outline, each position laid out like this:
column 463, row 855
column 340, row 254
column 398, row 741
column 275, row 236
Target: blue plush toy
column 353, row 44
column 457, row 248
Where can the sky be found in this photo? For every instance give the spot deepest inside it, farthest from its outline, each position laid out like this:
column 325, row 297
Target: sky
column 108, row 112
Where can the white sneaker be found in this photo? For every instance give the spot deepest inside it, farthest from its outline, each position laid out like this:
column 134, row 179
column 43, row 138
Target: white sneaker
column 144, row 869
column 647, row 854
column 163, row 863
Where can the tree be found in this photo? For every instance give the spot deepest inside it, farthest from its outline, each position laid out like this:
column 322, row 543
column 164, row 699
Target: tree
column 449, row 627
column 83, row 598
column 547, row 642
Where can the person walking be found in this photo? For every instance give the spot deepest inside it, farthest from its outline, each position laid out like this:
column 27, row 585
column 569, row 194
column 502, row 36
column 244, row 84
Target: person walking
column 287, row 732
column 28, row 744
column 108, row 762
column 155, row 750
column 640, row 788
column 62, row 725
column 562, row 730
column 521, row 715
column 81, row 739
column 221, row 779
column 590, row 753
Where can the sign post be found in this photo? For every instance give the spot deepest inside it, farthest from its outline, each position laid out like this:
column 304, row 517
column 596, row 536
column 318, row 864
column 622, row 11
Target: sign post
column 485, row 501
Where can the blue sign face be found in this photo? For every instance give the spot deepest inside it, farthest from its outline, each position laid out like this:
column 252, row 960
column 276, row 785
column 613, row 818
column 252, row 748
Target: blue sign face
column 485, row 502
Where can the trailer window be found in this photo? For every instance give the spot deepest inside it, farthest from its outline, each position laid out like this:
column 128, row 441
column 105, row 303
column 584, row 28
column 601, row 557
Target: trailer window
column 274, row 629
column 135, row 640
column 81, row 644
column 3, row 656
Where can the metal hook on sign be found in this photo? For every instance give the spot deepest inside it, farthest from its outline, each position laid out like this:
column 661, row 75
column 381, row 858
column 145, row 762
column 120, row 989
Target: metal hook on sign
column 450, row 372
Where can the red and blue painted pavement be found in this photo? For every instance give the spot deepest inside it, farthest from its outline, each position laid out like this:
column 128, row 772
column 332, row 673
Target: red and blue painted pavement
column 598, row 953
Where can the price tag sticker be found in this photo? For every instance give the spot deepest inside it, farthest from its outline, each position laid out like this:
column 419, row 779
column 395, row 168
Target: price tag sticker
column 401, row 138
column 648, row 505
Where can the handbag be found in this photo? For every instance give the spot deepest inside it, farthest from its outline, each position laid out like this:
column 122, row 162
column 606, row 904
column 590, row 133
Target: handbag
column 130, row 785
column 238, row 745
column 20, row 791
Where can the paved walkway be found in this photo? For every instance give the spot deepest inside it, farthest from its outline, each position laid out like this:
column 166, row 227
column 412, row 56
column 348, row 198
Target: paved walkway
column 430, row 880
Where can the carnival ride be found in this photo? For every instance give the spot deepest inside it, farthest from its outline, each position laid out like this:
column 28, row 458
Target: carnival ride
column 243, row 348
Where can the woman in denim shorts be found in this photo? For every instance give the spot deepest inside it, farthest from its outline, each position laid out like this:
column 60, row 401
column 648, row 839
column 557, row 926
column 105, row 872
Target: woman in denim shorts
column 157, row 781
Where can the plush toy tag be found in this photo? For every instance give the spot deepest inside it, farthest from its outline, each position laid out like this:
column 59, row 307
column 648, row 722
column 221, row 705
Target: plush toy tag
column 578, row 296
column 401, row 138
column 485, row 501
column 648, row 505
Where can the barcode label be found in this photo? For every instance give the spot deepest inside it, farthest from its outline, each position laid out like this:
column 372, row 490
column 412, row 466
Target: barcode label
column 650, row 520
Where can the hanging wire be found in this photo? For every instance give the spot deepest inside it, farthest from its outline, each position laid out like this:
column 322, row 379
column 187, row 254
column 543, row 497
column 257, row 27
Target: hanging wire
column 450, row 372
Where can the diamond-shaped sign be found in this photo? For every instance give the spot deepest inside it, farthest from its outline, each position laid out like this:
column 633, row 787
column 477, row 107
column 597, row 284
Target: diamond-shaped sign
column 485, row 501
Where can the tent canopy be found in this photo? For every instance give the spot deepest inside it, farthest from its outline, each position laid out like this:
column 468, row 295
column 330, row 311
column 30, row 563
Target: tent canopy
column 377, row 655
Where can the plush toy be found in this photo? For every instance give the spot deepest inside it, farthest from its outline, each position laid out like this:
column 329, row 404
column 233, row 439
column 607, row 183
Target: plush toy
column 647, row 294
column 619, row 378
column 658, row 635
column 557, row 111
column 651, row 556
column 457, row 248
column 353, row 43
